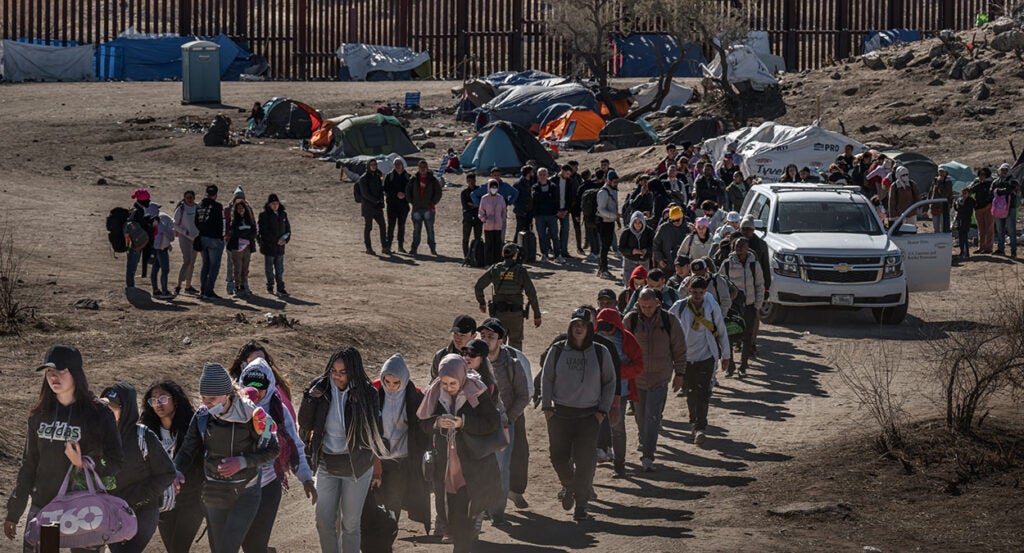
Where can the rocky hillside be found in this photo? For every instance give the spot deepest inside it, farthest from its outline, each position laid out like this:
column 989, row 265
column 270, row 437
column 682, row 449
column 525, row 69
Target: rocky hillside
column 957, row 96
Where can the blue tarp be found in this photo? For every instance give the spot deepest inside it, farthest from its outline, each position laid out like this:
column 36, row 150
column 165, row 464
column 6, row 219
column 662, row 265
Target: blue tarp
column 511, row 78
column 158, row 59
column 523, row 105
column 876, row 40
column 637, row 55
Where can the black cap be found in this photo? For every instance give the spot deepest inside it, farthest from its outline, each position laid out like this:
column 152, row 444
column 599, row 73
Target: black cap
column 211, row 190
column 494, row 325
column 464, row 324
column 607, row 293
column 583, row 314
column 698, row 264
column 477, row 347
column 273, row 198
column 255, row 379
column 682, row 261
column 110, row 396
column 62, row 357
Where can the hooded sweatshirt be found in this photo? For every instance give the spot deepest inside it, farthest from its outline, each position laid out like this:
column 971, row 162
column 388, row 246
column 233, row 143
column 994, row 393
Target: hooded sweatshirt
column 493, row 211
column 630, row 354
column 639, row 272
column 147, row 470
column 292, row 454
column 667, row 239
column 632, row 239
column 393, row 411
column 575, row 383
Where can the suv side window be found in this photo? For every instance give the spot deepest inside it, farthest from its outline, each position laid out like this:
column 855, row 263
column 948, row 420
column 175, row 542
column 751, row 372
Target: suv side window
column 763, row 213
column 754, row 206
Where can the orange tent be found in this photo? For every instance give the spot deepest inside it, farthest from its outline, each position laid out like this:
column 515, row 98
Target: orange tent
column 576, row 128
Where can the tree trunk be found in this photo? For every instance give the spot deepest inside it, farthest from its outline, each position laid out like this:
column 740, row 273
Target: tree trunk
column 664, row 86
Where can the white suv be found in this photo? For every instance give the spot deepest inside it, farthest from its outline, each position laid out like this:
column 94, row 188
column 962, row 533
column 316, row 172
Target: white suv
column 828, row 247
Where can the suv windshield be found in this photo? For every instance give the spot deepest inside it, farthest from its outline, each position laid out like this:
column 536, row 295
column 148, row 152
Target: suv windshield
column 840, row 217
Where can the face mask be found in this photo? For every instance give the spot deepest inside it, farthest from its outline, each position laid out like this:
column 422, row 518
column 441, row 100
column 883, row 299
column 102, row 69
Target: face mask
column 217, row 409
column 492, row 191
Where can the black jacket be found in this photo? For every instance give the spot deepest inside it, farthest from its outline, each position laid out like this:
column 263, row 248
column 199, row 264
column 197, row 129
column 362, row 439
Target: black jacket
column 43, row 463
column 210, row 219
column 524, row 201
column 316, row 404
column 470, row 210
column 416, row 496
column 242, row 227
column 545, row 203
column 483, row 479
column 273, row 227
column 143, row 477
column 629, row 241
column 371, row 189
column 192, row 487
column 395, row 183
column 222, row 440
column 137, row 214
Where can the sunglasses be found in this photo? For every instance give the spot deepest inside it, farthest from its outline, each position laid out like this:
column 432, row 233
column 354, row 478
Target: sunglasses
column 469, row 353
column 162, row 400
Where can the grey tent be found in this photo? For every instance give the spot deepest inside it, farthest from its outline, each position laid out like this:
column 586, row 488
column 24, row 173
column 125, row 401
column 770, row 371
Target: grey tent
column 696, row 131
column 523, row 104
column 623, row 133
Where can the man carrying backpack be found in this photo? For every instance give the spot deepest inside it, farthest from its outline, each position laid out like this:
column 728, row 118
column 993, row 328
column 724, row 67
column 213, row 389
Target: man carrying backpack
column 588, row 210
column 743, row 270
column 210, row 222
column 138, row 230
column 510, row 281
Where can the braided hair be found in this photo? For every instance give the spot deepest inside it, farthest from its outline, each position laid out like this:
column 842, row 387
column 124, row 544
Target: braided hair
column 362, row 395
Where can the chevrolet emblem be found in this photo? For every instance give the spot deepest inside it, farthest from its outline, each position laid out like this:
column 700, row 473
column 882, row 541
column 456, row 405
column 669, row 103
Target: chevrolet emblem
column 843, row 268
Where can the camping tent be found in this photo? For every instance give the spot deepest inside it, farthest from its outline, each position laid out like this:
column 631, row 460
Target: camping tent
column 523, row 104
column 696, row 131
column 505, row 146
column 767, row 149
column 677, row 95
column 647, row 54
column 961, row 174
column 759, row 43
column 744, row 66
column 503, row 79
column 365, row 62
column 370, row 135
column 140, row 57
column 284, row 118
column 623, row 133
column 575, row 128
column 355, row 167
column 922, row 168
column 551, row 113
column 36, row 62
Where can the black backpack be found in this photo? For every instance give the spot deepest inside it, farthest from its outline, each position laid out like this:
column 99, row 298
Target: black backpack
column 527, row 242
column 477, row 254
column 379, row 526
column 115, row 229
column 588, row 204
column 219, row 131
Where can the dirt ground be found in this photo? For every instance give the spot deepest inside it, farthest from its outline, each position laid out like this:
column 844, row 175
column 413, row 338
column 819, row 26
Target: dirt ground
column 790, row 432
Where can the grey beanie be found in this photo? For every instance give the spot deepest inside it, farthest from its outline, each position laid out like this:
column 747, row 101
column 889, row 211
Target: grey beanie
column 215, row 381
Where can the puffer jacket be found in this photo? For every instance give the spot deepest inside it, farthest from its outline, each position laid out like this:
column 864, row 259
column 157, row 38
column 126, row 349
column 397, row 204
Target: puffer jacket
column 663, row 345
column 147, row 470
column 747, row 276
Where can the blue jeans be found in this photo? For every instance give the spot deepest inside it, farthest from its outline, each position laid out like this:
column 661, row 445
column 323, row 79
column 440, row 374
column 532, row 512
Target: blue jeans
column 162, row 265
column 421, row 217
column 505, row 467
column 648, row 418
column 547, row 226
column 273, row 266
column 228, row 527
column 258, row 537
column 213, row 250
column 1006, row 228
column 134, row 256
column 147, row 520
column 345, row 496
column 563, row 235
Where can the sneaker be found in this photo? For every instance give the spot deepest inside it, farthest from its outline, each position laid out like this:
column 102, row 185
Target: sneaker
column 282, row 293
column 177, row 290
column 156, row 292
column 412, row 251
column 386, row 251
column 567, row 498
column 433, row 252
column 213, row 296
column 231, row 289
column 550, row 256
column 603, row 456
column 698, row 437
column 591, row 257
column 518, row 500
column 581, row 515
column 446, row 538
column 401, row 248
column 191, row 290
column 560, row 259
column 270, row 289
column 647, row 465
column 369, row 251
column 620, row 470
column 499, row 520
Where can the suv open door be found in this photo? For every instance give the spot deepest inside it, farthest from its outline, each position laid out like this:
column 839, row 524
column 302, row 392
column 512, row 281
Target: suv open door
column 927, row 257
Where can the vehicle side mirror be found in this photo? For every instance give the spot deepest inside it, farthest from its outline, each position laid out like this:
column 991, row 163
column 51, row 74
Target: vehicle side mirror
column 758, row 224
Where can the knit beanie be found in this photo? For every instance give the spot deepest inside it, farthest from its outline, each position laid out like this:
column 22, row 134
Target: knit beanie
column 273, row 198
column 239, row 193
column 215, row 381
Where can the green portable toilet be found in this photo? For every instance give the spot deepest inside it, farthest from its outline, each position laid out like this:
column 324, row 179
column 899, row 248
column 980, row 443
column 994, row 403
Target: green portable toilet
column 200, row 72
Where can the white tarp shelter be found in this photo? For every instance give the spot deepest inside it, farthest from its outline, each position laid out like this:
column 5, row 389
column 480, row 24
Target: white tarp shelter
column 744, row 66
column 361, row 59
column 766, row 150
column 33, row 62
column 678, row 95
column 758, row 42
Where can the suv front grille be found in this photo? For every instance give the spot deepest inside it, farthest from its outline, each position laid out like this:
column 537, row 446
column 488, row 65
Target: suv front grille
column 826, row 260
column 836, row 277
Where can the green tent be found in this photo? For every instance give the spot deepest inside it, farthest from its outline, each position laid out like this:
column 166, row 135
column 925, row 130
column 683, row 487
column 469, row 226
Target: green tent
column 369, row 135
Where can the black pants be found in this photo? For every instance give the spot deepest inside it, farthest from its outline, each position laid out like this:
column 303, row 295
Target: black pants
column 749, row 333
column 577, row 229
column 520, row 470
column 178, row 527
column 592, row 237
column 524, row 223
column 397, row 213
column 474, row 228
column 698, row 391
column 378, row 217
column 606, row 232
column 571, row 443
column 461, row 527
column 392, row 487
column 964, row 239
column 258, row 537
column 492, row 245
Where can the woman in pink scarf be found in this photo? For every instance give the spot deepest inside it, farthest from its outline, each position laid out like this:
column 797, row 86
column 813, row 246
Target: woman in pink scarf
column 455, row 405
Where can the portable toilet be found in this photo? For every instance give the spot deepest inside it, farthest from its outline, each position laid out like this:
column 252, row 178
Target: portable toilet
column 200, row 72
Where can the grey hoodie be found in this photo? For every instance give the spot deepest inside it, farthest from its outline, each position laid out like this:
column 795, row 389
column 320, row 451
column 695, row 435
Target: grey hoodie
column 575, row 383
column 393, row 416
column 607, row 204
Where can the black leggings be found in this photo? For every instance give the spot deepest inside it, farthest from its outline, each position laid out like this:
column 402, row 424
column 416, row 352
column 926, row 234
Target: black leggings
column 178, row 527
column 493, row 245
column 397, row 215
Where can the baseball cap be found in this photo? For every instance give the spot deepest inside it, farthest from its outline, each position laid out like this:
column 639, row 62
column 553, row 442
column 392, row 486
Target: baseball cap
column 698, row 265
column 583, row 314
column 476, row 347
column 703, row 222
column 682, row 261
column 748, row 222
column 607, row 293
column 612, row 175
column 732, row 217
column 62, row 357
column 494, row 325
column 464, row 324
column 255, row 379
column 1004, row 166
column 140, row 194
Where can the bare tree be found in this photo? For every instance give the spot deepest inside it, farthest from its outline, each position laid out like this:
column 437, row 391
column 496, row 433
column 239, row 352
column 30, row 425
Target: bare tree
column 14, row 312
column 871, row 376
column 711, row 23
column 585, row 27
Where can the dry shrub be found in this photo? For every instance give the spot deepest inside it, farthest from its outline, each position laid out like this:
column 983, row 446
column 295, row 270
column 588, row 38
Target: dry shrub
column 871, row 376
column 14, row 311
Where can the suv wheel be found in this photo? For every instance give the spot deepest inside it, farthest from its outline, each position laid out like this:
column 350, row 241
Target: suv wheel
column 773, row 313
column 892, row 315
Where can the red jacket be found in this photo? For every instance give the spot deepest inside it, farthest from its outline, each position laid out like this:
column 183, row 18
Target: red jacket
column 630, row 347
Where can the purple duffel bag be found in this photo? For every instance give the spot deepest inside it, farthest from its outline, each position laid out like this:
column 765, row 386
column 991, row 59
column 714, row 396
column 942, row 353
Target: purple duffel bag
column 87, row 518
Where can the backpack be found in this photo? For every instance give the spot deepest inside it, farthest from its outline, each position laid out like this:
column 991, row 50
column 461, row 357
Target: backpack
column 135, row 236
column 558, row 346
column 477, row 254
column 737, row 295
column 588, row 204
column 1001, row 206
column 115, row 229
column 356, row 193
column 527, row 242
column 378, row 525
column 666, row 324
column 218, row 133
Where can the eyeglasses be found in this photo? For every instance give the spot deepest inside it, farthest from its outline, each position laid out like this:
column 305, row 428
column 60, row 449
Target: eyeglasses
column 162, row 400
column 470, row 353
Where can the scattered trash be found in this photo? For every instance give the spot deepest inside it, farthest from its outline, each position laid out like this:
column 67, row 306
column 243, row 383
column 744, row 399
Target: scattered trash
column 87, row 303
column 187, row 341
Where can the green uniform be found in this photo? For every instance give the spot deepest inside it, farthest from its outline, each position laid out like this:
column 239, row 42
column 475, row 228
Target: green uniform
column 510, row 282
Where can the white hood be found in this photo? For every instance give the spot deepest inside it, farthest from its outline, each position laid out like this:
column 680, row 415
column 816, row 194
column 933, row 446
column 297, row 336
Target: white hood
column 829, row 243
